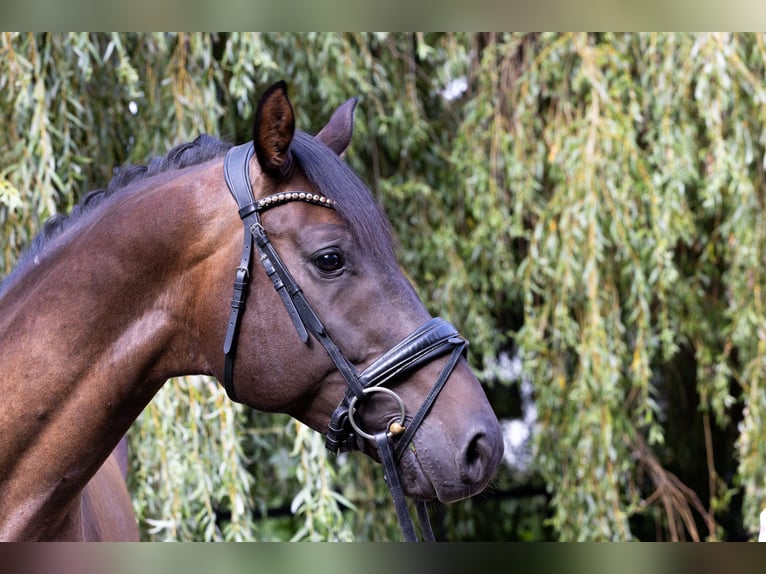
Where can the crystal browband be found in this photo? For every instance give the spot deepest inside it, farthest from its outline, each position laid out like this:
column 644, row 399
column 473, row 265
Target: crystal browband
column 285, row 197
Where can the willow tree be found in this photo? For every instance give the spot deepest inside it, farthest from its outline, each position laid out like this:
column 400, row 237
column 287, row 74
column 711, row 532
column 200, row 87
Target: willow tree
column 593, row 203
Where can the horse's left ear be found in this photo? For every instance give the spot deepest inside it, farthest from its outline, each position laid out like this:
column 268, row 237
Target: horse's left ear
column 337, row 133
column 273, row 130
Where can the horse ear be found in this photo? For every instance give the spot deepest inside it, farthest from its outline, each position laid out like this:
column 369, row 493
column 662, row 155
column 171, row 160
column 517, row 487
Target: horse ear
column 337, row 133
column 273, row 130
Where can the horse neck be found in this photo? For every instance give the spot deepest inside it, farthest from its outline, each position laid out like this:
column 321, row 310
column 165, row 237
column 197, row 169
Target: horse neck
column 89, row 334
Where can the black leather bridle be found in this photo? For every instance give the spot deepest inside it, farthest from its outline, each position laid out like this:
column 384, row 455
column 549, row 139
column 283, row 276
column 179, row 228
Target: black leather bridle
column 434, row 339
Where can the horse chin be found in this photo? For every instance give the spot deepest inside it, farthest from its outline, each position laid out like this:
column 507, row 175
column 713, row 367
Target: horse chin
column 425, row 477
column 415, row 482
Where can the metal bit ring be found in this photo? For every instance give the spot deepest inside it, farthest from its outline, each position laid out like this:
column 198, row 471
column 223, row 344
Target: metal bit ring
column 398, row 426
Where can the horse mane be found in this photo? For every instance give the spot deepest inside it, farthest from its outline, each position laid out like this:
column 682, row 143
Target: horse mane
column 325, row 171
column 202, row 149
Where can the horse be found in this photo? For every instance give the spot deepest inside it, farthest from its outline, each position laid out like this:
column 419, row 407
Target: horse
column 152, row 277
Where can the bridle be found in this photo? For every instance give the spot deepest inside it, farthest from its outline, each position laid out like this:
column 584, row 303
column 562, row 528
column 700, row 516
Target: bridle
column 434, row 339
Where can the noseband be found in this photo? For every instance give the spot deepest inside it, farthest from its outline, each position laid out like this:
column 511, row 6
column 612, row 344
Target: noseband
column 434, row 339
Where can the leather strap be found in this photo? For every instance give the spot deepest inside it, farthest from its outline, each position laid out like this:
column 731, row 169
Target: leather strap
column 414, row 424
column 237, row 173
column 284, row 284
column 420, row 347
column 425, row 521
column 237, row 309
column 400, row 502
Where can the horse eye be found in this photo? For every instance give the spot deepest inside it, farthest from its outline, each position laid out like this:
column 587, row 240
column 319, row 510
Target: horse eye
column 329, row 262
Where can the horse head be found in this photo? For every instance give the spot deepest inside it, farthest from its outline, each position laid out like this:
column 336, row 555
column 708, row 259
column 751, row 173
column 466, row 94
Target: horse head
column 343, row 342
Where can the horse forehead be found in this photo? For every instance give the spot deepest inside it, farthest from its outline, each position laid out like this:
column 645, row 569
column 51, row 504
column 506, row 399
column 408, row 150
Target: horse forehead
column 296, row 217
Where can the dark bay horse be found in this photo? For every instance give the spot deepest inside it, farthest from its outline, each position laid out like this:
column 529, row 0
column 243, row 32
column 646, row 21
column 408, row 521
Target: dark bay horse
column 135, row 286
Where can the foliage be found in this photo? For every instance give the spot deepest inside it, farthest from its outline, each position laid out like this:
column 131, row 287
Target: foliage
column 595, row 201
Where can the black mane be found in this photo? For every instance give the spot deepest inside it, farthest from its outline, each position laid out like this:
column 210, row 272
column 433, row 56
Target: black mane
column 325, row 171
column 200, row 150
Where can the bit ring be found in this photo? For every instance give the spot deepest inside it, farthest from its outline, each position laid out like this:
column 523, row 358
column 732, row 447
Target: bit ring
column 398, row 426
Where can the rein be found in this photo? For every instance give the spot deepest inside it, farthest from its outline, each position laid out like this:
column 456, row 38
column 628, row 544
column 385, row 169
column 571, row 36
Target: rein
column 434, row 339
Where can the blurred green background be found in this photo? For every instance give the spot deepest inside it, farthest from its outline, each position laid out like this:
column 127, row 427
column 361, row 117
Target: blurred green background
column 586, row 208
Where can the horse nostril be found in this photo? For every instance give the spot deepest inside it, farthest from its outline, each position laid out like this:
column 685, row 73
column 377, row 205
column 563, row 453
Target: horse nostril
column 474, row 451
column 476, row 459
